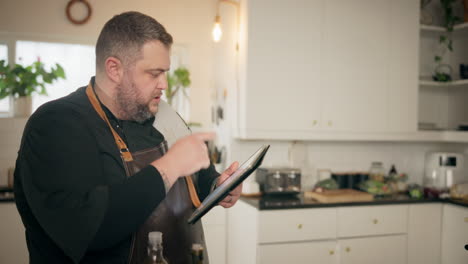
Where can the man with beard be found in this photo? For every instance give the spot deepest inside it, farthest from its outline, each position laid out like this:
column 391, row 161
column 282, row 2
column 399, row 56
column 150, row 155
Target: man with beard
column 94, row 176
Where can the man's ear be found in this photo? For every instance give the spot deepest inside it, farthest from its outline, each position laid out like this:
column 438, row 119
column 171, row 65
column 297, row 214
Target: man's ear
column 114, row 69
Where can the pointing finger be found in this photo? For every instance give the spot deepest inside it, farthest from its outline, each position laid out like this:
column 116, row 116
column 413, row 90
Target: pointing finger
column 205, row 136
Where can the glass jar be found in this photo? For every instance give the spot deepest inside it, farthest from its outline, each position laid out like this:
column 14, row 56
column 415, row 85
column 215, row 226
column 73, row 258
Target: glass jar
column 275, row 182
column 293, row 181
column 376, row 171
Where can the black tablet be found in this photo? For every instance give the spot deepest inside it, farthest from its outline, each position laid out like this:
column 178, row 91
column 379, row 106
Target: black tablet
column 229, row 184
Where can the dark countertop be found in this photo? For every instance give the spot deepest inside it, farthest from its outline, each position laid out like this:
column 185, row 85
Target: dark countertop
column 6, row 195
column 299, row 201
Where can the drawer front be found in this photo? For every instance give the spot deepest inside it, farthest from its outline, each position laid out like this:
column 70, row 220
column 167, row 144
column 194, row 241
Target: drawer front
column 324, row 252
column 372, row 220
column 381, row 250
column 297, row 225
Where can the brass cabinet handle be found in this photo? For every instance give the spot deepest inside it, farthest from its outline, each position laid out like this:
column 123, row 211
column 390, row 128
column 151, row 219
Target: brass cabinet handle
column 330, row 123
column 331, row 252
column 466, row 219
column 375, row 221
column 347, row 249
column 299, row 226
column 314, row 122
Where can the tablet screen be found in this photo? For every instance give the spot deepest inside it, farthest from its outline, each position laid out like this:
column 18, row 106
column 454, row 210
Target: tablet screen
column 249, row 166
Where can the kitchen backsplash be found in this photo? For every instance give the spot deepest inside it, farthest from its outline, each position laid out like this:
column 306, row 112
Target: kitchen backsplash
column 11, row 130
column 408, row 157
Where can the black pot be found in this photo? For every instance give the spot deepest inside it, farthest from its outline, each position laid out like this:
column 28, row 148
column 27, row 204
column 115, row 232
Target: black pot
column 464, row 71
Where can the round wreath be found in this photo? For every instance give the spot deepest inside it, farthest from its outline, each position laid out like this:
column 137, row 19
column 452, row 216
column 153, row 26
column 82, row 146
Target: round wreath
column 76, row 21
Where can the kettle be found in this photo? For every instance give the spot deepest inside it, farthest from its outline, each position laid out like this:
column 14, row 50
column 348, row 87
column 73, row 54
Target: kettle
column 442, row 170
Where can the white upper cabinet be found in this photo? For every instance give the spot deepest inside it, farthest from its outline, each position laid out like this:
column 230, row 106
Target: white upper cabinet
column 311, row 67
column 370, row 65
column 280, row 77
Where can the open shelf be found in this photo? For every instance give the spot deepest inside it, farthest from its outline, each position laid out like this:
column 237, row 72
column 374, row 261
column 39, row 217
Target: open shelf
column 444, row 84
column 415, row 136
column 457, row 28
column 461, row 26
column 432, row 28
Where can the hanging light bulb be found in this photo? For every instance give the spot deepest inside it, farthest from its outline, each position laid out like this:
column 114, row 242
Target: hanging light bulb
column 217, row 32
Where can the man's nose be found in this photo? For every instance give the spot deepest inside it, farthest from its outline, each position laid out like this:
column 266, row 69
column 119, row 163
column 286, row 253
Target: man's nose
column 162, row 84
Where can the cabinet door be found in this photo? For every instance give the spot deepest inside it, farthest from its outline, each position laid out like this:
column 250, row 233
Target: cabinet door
column 454, row 235
column 382, row 250
column 403, row 68
column 13, row 247
column 281, row 79
column 368, row 79
column 215, row 238
column 298, row 253
column 424, row 233
column 214, row 226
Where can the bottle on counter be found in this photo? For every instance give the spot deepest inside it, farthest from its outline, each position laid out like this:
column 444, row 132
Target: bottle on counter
column 155, row 249
column 197, row 254
column 392, row 179
column 393, row 174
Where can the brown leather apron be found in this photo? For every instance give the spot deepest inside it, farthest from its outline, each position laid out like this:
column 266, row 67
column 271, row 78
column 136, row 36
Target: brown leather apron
column 171, row 215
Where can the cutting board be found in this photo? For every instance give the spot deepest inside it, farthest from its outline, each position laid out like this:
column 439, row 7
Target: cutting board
column 339, row 196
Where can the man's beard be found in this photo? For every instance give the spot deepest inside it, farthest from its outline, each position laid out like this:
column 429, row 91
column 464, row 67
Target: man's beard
column 129, row 103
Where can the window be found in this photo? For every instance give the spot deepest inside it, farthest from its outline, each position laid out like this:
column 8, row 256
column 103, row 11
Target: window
column 3, row 52
column 181, row 101
column 78, row 61
column 4, row 103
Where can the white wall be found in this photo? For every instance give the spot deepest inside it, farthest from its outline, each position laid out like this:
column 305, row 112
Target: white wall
column 11, row 130
column 190, row 23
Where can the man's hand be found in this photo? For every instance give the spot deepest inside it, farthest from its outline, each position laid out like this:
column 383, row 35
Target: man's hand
column 234, row 195
column 187, row 156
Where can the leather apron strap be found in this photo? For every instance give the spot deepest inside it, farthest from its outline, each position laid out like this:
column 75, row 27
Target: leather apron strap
column 124, row 151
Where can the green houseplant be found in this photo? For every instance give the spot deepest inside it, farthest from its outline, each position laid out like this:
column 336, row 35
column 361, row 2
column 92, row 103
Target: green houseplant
column 443, row 71
column 177, row 81
column 20, row 82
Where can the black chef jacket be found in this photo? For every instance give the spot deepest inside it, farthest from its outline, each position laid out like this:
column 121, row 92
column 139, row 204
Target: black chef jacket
column 71, row 191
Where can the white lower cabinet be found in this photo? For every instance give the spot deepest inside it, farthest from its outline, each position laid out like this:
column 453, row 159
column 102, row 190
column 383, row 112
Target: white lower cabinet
column 427, row 233
column 454, row 234
column 301, row 253
column 377, row 234
column 382, row 250
column 424, row 233
column 214, row 227
column 13, row 247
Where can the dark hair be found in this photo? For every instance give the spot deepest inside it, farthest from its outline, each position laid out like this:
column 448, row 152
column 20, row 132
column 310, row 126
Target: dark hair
column 124, row 35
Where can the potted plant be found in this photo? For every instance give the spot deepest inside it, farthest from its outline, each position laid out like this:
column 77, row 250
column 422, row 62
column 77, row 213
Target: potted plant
column 177, row 81
column 443, row 71
column 20, row 82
